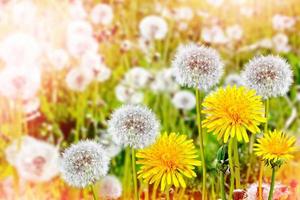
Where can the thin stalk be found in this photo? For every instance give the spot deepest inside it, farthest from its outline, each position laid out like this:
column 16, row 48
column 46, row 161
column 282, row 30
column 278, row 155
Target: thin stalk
column 213, row 195
column 93, row 192
column 200, row 132
column 136, row 196
column 154, row 192
column 126, row 182
column 261, row 165
column 272, row 184
column 236, row 163
column 222, row 185
column 231, row 168
column 167, row 191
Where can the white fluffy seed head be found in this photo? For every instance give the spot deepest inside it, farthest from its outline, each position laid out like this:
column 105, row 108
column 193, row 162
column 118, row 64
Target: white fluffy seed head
column 84, row 163
column 134, row 125
column 184, row 100
column 270, row 76
column 197, row 66
column 110, row 187
column 233, row 79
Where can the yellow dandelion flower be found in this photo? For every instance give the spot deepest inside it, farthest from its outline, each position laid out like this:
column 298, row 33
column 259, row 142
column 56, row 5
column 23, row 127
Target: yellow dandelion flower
column 231, row 111
column 275, row 146
column 167, row 161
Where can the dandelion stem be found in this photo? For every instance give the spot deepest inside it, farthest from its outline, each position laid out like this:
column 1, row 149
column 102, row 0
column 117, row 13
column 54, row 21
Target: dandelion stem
column 199, row 122
column 136, row 196
column 261, row 166
column 236, row 163
column 222, row 185
column 93, row 192
column 267, row 105
column 272, row 184
column 126, row 183
column 167, row 191
column 231, row 168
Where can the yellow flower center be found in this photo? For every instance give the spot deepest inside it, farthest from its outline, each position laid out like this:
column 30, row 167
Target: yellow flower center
column 169, row 161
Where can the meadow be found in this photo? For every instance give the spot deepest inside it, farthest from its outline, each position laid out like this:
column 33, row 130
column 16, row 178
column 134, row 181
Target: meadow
column 149, row 99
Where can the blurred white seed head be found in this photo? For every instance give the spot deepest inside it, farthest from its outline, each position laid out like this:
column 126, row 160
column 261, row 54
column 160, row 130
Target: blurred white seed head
column 184, row 100
column 197, row 66
column 18, row 83
column 35, row 160
column 59, row 58
column 134, row 125
column 84, row 163
column 79, row 27
column 102, row 14
column 233, row 79
column 234, row 32
column 109, row 144
column 110, row 187
column 128, row 95
column 270, row 76
column 19, row 49
column 214, row 35
column 281, row 43
column 79, row 78
column 282, row 22
column 153, row 27
column 137, row 77
column 103, row 73
column 164, row 81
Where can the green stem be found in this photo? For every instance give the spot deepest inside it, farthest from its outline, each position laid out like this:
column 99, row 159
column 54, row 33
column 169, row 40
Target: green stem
column 126, row 181
column 222, row 185
column 231, row 168
column 272, row 184
column 167, row 191
column 136, row 196
column 236, row 163
column 260, row 178
column 267, row 107
column 93, row 192
column 199, row 122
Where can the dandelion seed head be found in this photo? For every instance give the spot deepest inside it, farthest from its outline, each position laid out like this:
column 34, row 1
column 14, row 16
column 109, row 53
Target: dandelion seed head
column 270, row 76
column 110, row 187
column 35, row 160
column 84, row 163
column 197, row 66
column 184, row 100
column 153, row 27
column 102, row 14
column 234, row 79
column 134, row 125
